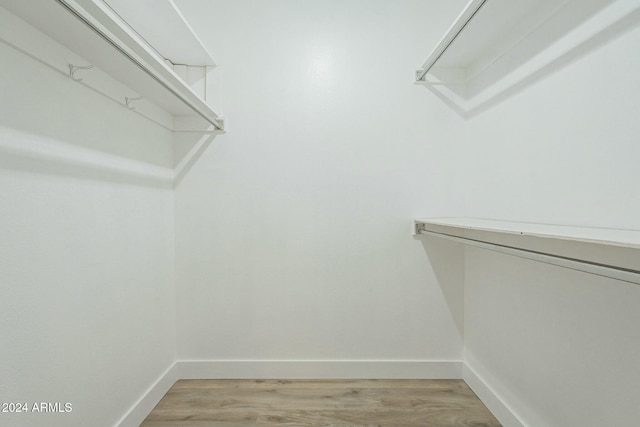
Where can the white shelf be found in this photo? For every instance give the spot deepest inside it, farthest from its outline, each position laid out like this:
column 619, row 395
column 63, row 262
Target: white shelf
column 164, row 27
column 81, row 32
column 608, row 252
column 495, row 44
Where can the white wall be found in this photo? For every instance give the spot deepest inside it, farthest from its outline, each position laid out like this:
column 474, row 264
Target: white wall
column 565, row 149
column 560, row 347
column 87, row 308
column 293, row 229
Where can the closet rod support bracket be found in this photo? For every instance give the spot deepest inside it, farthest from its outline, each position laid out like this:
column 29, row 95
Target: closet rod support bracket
column 418, row 228
column 128, row 101
column 74, row 68
column 220, row 123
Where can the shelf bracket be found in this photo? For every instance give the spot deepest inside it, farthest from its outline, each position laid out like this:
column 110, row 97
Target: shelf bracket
column 74, row 68
column 128, row 101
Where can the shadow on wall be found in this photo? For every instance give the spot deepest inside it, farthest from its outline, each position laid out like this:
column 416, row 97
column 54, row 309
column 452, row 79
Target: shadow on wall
column 447, row 262
column 529, row 61
column 187, row 149
column 36, row 154
column 30, row 153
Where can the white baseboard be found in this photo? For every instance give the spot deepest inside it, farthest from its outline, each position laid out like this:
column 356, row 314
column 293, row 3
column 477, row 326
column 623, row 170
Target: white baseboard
column 491, row 400
column 319, row 369
column 144, row 405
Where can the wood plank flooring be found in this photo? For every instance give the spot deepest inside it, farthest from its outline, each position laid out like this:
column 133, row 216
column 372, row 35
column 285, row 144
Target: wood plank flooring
column 320, row 403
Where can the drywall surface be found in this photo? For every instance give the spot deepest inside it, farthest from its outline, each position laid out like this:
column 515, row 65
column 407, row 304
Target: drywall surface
column 564, row 150
column 86, row 251
column 292, row 230
column 559, row 347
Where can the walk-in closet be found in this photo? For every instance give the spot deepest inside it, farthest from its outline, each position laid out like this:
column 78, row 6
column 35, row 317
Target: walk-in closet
column 401, row 213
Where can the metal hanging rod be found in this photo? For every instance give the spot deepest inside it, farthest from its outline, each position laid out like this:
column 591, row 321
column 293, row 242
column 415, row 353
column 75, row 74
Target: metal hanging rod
column 610, row 271
column 162, row 78
column 465, row 17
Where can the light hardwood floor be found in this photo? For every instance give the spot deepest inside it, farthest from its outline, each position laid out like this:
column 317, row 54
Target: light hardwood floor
column 327, row 403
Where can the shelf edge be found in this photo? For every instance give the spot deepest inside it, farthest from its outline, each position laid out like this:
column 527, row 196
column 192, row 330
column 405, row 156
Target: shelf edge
column 103, row 21
column 597, row 257
column 456, row 28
